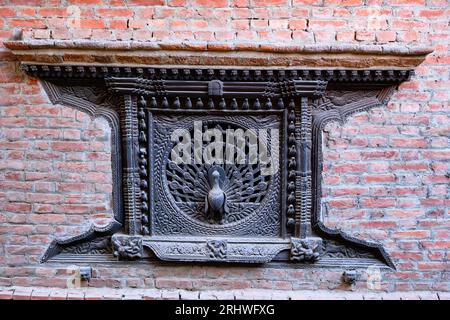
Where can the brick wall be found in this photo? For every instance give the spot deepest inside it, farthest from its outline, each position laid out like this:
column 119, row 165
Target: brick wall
column 396, row 189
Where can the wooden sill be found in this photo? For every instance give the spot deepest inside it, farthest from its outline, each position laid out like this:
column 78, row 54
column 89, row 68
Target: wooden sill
column 216, row 54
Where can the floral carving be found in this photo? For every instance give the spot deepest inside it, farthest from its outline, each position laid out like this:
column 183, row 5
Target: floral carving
column 218, row 249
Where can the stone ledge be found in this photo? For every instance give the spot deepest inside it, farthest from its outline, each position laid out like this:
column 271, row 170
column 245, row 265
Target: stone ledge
column 214, row 54
column 43, row 293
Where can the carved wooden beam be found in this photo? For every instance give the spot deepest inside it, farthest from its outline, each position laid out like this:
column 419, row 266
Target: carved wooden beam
column 213, row 54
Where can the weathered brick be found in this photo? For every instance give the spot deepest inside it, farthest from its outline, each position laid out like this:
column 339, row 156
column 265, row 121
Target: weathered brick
column 385, row 171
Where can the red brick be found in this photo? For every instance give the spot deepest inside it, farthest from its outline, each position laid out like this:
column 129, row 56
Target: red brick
column 176, row 3
column 408, row 142
column 71, row 208
column 47, row 218
column 342, row 203
column 365, row 36
column 297, row 24
column 92, row 24
column 174, row 283
column 378, row 202
column 69, row 146
column 7, row 12
column 384, row 171
column 350, row 167
column 241, row 24
column 72, row 187
column 307, row 2
column 53, row 12
column 386, row 36
column 408, row 36
column 407, row 2
column 85, row 2
column 345, row 36
column 114, row 13
column 383, row 178
column 43, row 198
column 41, row 133
column 146, row 2
column 15, row 207
column 414, row 166
column 41, row 111
column 379, row 224
column 278, row 24
column 317, row 24
column 432, row 266
column 266, row 3
column 210, row 3
column 29, row 23
column 431, row 13
column 411, row 234
column 349, row 191
column 301, row 35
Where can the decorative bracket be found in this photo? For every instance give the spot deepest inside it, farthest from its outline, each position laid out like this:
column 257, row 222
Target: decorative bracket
column 306, row 250
column 127, row 247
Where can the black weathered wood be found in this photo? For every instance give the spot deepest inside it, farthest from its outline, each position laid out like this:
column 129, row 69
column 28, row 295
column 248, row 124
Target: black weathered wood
column 145, row 100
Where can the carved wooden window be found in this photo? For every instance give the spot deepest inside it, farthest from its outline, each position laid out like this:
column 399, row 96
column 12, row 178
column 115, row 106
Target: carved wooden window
column 224, row 212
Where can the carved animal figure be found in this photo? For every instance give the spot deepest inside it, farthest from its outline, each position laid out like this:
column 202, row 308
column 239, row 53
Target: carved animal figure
column 216, row 200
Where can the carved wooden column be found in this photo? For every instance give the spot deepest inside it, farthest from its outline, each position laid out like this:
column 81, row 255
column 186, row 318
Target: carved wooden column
column 130, row 171
column 129, row 245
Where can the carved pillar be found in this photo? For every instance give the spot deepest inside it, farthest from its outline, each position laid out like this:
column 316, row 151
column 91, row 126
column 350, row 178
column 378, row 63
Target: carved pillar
column 304, row 247
column 131, row 179
column 303, row 176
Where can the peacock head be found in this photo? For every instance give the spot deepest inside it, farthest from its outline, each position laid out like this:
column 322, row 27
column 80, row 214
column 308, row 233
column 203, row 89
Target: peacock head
column 216, row 176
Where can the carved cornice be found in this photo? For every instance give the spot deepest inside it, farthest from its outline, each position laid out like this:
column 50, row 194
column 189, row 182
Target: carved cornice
column 229, row 89
column 114, row 74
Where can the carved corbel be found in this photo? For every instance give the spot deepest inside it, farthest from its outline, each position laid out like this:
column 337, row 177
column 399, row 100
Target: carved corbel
column 306, row 250
column 127, row 247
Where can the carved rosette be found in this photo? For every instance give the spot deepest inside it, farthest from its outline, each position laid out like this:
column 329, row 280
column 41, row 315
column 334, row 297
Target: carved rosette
column 127, row 247
column 306, row 250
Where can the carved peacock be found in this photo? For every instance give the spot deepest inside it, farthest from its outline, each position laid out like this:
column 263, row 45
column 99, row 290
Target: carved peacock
column 216, row 194
column 216, row 206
